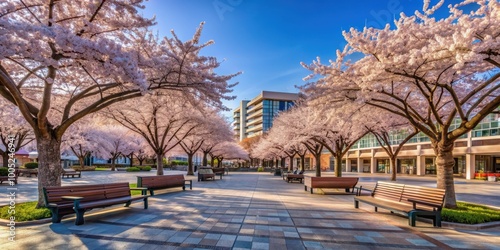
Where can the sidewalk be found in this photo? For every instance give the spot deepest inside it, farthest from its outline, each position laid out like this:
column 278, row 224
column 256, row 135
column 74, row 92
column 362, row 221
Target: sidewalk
column 246, row 211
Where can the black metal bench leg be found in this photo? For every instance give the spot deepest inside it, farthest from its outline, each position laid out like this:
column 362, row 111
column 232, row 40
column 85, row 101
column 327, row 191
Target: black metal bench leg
column 437, row 220
column 305, row 188
column 128, row 203
column 146, row 203
column 79, row 217
column 356, row 204
column 412, row 217
column 56, row 218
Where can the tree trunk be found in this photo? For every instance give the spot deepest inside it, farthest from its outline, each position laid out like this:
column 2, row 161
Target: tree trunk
column 290, row 166
column 444, row 168
column 5, row 157
column 338, row 165
column 159, row 163
column 212, row 161
column 190, row 170
column 49, row 165
column 140, row 161
column 113, row 164
column 205, row 159
column 303, row 162
column 317, row 157
column 277, row 164
column 81, row 161
column 283, row 162
column 393, row 168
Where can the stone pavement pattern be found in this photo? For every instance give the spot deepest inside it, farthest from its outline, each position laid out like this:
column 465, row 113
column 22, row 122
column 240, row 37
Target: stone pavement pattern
column 246, row 211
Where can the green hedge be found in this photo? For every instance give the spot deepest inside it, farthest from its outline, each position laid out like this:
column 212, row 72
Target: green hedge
column 144, row 168
column 4, row 171
column 133, row 169
column 260, row 169
column 31, row 165
column 178, row 163
column 468, row 213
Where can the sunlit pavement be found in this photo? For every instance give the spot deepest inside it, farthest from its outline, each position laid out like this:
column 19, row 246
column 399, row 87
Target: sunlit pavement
column 246, row 211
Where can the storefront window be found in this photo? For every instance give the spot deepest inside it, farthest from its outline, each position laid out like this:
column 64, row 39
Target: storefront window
column 483, row 163
column 382, row 164
column 430, row 166
column 407, row 166
column 354, row 165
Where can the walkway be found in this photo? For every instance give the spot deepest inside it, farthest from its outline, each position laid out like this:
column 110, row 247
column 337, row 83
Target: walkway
column 246, row 211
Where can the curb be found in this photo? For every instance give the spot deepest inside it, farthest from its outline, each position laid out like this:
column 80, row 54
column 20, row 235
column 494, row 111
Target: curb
column 470, row 227
column 4, row 222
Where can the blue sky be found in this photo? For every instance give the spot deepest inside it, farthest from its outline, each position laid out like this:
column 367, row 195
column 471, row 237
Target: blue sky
column 267, row 40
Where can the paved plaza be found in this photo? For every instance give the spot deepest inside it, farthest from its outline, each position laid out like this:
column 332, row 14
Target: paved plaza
column 249, row 211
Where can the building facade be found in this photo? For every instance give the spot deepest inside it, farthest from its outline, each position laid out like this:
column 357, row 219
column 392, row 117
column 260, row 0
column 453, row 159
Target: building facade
column 254, row 117
column 476, row 152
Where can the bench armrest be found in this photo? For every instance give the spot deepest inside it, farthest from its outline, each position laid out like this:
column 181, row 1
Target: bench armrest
column 74, row 198
column 52, row 205
column 415, row 202
column 361, row 188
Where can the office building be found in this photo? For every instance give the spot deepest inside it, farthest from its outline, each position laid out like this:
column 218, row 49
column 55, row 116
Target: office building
column 254, row 117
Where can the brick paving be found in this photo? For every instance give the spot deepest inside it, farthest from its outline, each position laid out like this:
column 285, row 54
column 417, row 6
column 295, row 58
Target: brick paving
column 246, row 211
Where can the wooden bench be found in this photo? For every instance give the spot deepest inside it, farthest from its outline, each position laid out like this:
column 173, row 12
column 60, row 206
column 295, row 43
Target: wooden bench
column 67, row 173
column 163, row 181
column 8, row 179
column 205, row 174
column 347, row 183
column 290, row 177
column 412, row 201
column 28, row 172
column 220, row 171
column 81, row 198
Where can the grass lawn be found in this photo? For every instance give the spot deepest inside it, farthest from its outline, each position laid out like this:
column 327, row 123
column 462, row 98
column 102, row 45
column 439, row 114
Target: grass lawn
column 102, row 169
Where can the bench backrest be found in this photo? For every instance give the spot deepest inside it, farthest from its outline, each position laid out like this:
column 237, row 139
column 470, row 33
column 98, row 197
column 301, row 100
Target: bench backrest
column 403, row 193
column 388, row 191
column 434, row 196
column 331, row 182
column 205, row 171
column 160, row 181
column 218, row 170
column 92, row 192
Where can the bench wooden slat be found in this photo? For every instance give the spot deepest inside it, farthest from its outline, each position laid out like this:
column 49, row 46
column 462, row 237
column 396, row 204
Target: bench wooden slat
column 92, row 196
column 346, row 183
column 163, row 181
column 407, row 199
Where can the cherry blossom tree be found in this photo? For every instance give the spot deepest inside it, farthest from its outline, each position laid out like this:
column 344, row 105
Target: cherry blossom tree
column 117, row 141
column 229, row 150
column 82, row 139
column 63, row 60
column 384, row 125
column 163, row 121
column 219, row 133
column 441, row 75
column 13, row 126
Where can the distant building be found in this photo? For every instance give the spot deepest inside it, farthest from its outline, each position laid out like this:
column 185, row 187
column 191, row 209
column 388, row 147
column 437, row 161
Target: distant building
column 253, row 117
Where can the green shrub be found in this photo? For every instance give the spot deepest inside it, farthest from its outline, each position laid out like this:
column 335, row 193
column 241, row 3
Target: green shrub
column 468, row 213
column 4, row 171
column 145, row 168
column 25, row 212
column 260, row 169
column 178, row 163
column 31, row 165
column 133, row 169
column 85, row 168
